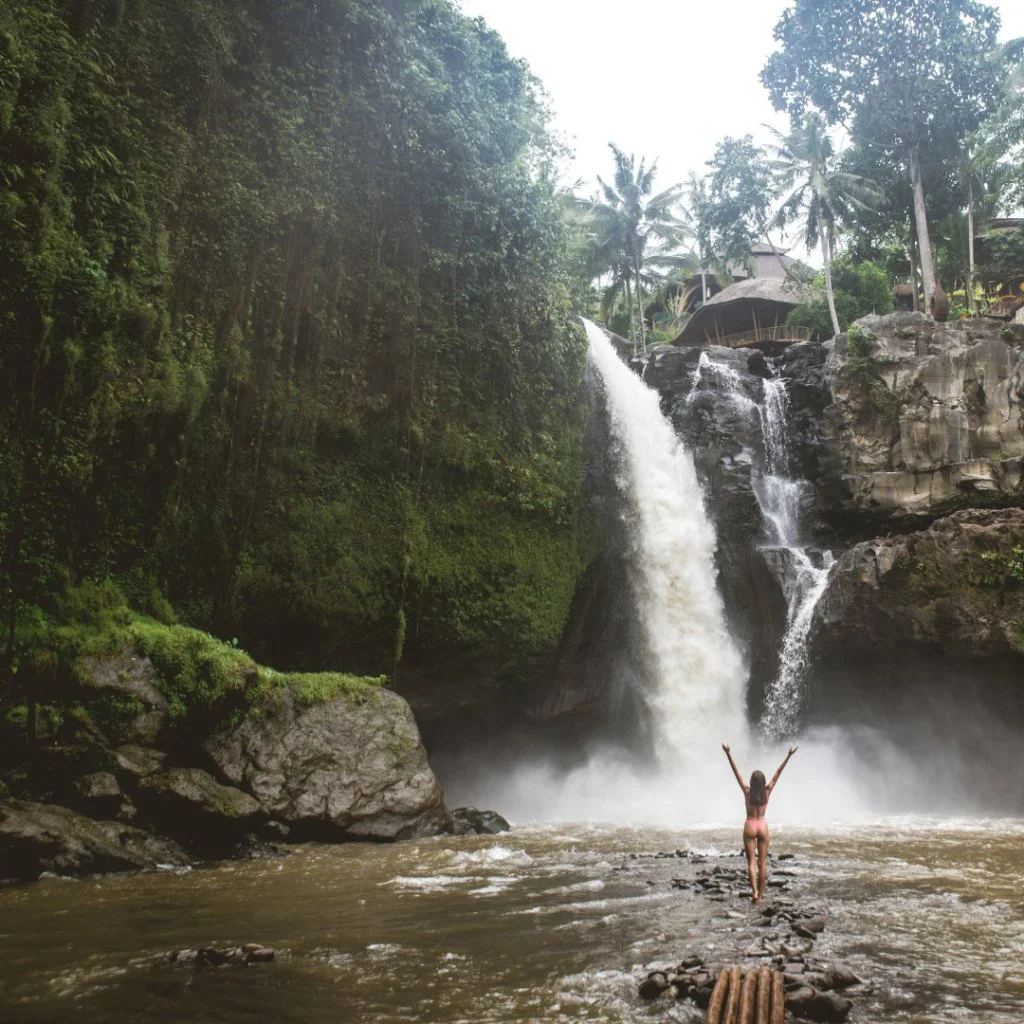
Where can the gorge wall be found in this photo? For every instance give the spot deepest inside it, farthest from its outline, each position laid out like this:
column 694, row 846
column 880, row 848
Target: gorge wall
column 910, row 435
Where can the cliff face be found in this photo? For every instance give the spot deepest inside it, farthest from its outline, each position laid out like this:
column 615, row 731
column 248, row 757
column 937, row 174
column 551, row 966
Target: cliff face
column 957, row 586
column 901, row 425
column 924, row 417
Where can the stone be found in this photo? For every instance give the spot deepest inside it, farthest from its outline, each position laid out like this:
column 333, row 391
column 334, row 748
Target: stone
column 798, row 999
column 470, row 821
column 841, row 977
column 810, row 927
column 190, row 805
column 121, row 692
column 653, row 985
column 99, row 794
column 826, row 1007
column 139, row 761
column 46, row 837
column 341, row 768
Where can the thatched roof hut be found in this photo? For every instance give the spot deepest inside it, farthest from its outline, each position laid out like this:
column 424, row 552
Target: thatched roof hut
column 751, row 305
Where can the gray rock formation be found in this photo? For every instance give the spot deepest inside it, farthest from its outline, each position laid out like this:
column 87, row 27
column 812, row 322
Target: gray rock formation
column 45, row 837
column 343, row 768
column 126, row 701
column 957, row 585
column 199, row 812
column 927, row 417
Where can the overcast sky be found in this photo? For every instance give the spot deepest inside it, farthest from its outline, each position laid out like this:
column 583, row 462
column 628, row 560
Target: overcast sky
column 660, row 78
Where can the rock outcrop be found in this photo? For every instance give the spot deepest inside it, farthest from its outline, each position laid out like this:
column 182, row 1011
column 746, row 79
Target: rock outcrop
column 44, row 837
column 344, row 768
column 957, row 586
column 121, row 692
column 925, row 417
column 200, row 813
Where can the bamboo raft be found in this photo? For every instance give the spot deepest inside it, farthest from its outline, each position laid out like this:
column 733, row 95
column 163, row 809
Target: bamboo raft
column 758, row 997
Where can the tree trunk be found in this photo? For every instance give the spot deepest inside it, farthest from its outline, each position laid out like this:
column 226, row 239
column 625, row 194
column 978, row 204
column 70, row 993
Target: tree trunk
column 629, row 306
column 921, row 220
column 826, row 256
column 703, row 285
column 913, row 265
column 970, row 242
column 639, row 305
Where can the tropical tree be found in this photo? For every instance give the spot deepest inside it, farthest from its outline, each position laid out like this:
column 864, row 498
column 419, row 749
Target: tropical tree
column 819, row 194
column 905, row 77
column 634, row 233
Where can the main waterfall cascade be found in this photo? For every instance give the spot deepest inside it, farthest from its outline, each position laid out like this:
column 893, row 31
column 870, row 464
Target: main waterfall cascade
column 696, row 691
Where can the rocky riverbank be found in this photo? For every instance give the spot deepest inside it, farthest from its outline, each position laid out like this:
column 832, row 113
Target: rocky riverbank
column 781, row 933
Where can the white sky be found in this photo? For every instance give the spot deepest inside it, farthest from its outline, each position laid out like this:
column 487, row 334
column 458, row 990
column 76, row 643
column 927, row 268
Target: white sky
column 660, row 78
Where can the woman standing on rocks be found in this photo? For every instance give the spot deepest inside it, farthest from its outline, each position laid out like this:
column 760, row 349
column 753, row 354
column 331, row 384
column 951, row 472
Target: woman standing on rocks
column 755, row 828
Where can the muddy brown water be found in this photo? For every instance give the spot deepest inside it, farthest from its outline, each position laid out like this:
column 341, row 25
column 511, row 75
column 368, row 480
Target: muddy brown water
column 546, row 923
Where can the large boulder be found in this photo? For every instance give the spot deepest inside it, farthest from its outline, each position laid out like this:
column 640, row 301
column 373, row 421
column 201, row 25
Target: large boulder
column 346, row 767
column 46, row 837
column 926, row 417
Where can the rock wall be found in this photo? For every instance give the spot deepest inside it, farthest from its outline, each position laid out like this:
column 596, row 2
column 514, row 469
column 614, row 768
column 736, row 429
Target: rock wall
column 957, row 586
column 924, row 417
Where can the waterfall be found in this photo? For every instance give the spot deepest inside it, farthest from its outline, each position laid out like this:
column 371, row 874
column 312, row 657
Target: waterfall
column 696, row 692
column 802, row 572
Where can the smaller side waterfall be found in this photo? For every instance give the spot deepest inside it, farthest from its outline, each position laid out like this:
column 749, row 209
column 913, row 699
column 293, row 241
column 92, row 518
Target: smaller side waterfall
column 801, row 571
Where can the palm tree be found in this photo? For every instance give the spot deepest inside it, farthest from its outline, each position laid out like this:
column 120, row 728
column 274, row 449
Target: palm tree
column 819, row 195
column 625, row 220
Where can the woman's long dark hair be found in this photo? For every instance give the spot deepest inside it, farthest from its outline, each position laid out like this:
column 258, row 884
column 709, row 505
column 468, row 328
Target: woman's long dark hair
column 758, row 789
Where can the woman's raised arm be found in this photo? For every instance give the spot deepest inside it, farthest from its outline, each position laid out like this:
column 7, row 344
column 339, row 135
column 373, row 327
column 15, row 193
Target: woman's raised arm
column 735, row 770
column 778, row 772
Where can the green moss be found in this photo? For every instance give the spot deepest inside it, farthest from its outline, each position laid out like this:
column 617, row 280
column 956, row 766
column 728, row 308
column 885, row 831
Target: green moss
column 321, row 687
column 208, row 684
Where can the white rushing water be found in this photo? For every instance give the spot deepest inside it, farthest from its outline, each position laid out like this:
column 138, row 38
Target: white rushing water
column 697, row 683
column 802, row 573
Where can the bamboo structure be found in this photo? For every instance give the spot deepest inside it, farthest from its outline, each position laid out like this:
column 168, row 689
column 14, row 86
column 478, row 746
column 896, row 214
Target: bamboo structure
column 758, row 997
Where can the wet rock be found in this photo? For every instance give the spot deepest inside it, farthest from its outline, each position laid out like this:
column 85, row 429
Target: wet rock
column 653, row 985
column 98, row 794
column 826, row 1007
column 798, row 999
column 810, row 927
column 338, row 768
column 841, row 977
column 254, row 847
column 45, row 837
column 470, row 821
column 941, row 586
column 190, row 805
column 139, row 761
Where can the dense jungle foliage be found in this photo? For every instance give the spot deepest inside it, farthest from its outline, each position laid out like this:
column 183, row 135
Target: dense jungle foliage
column 284, row 329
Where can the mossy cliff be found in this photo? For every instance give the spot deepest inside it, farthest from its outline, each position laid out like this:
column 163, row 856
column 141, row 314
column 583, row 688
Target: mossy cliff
column 285, row 332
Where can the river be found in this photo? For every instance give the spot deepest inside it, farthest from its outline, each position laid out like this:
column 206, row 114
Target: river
column 551, row 922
